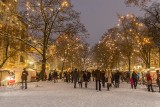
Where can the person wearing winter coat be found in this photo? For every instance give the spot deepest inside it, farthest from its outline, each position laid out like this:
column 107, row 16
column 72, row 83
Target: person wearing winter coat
column 86, row 78
column 24, row 78
column 149, row 81
column 135, row 79
column 89, row 76
column 80, row 78
column 55, row 75
column 131, row 82
column 116, row 78
column 49, row 77
column 68, row 77
column 98, row 79
column 158, row 79
column 72, row 76
column 93, row 75
column 103, row 79
column 75, row 77
column 109, row 77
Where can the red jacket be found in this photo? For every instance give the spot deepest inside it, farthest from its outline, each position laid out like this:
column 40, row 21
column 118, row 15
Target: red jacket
column 148, row 76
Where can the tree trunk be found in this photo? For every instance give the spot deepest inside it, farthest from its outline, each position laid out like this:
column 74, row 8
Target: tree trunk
column 44, row 60
column 4, row 61
column 0, row 78
column 149, row 58
column 63, row 66
column 118, row 61
column 65, row 56
column 42, row 73
column 159, row 55
column 84, row 65
column 129, row 61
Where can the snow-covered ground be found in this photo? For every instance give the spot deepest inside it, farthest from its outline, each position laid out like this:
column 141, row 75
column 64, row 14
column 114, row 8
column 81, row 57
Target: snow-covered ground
column 49, row 94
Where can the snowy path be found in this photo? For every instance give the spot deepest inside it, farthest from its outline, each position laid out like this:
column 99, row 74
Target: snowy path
column 61, row 94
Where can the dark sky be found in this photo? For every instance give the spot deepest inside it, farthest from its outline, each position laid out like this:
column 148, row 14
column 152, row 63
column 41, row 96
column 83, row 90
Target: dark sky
column 100, row 15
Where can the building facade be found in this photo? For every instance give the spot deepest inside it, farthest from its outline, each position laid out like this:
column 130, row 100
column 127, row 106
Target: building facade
column 11, row 27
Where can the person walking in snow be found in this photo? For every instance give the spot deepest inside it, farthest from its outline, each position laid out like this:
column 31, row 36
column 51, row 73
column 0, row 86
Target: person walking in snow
column 80, row 78
column 103, row 79
column 116, row 79
column 131, row 82
column 149, row 81
column 55, row 75
column 134, row 77
column 89, row 76
column 98, row 79
column 86, row 78
column 93, row 75
column 24, row 78
column 109, row 77
column 75, row 77
column 50, row 77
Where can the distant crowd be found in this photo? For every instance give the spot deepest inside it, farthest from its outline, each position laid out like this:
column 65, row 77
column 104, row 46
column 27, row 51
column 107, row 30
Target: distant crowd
column 102, row 78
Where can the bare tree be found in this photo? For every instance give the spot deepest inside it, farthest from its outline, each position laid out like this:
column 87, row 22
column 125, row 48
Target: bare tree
column 69, row 49
column 105, row 51
column 46, row 19
column 152, row 22
column 136, row 2
column 10, row 27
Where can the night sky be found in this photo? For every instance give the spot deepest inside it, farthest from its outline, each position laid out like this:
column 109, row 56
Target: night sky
column 100, row 15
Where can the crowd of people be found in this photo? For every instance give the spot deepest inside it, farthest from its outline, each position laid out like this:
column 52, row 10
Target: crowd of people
column 102, row 78
column 111, row 78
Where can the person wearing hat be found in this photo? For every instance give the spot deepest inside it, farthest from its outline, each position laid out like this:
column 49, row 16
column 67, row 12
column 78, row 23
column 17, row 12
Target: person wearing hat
column 24, row 78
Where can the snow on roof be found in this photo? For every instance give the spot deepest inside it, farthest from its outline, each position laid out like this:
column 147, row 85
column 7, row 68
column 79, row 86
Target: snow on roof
column 34, row 56
column 17, row 69
column 3, row 70
column 29, row 69
column 21, row 69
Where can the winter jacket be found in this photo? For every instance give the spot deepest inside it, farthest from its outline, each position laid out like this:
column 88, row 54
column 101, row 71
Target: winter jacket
column 131, row 81
column 134, row 76
column 80, row 76
column 103, row 76
column 149, row 79
column 116, row 77
column 109, row 77
column 55, row 74
column 24, row 75
column 98, row 75
column 85, row 76
column 75, row 75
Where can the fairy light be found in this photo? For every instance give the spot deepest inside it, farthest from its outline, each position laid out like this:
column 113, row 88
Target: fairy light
column 51, row 9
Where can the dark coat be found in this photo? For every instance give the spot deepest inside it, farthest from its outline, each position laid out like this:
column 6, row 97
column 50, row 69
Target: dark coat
column 116, row 76
column 93, row 74
column 134, row 76
column 24, row 75
column 103, row 76
column 98, row 75
column 55, row 74
column 85, row 76
column 75, row 75
column 149, row 79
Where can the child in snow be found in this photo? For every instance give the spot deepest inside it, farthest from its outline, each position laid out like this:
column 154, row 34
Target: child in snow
column 131, row 82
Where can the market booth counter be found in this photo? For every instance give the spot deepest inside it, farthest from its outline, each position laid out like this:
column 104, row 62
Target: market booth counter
column 18, row 72
column 6, row 77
